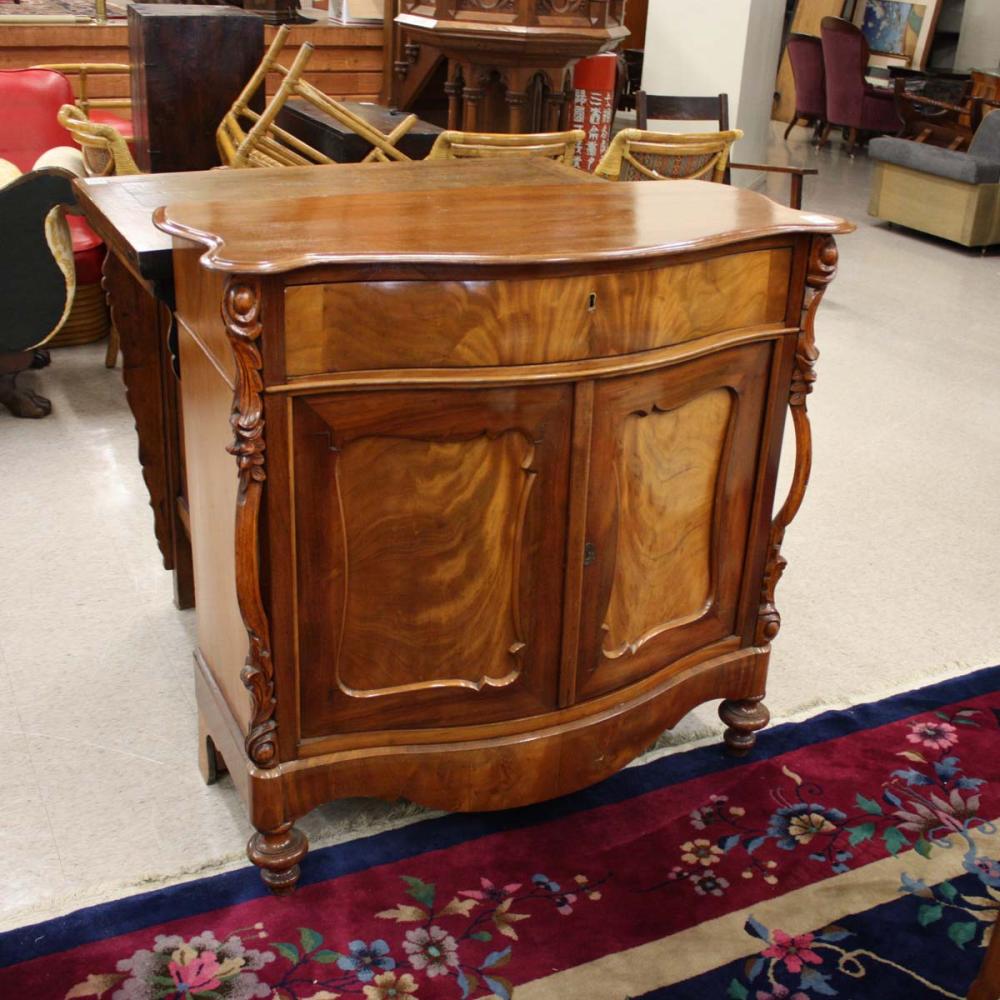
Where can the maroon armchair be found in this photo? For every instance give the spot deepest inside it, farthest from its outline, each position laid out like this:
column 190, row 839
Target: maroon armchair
column 805, row 53
column 851, row 102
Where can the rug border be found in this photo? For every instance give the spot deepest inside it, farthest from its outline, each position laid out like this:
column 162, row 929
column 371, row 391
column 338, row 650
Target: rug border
column 185, row 899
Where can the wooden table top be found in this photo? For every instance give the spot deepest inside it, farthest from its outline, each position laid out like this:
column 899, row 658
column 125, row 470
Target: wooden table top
column 121, row 209
column 502, row 224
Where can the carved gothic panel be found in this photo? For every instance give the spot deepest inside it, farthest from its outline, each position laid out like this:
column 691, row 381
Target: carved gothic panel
column 426, row 546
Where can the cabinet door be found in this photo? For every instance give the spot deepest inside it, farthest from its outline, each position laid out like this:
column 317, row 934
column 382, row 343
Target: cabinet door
column 430, row 536
column 674, row 455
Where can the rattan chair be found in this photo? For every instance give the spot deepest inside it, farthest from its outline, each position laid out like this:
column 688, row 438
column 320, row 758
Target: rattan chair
column 635, row 155
column 558, row 146
column 246, row 138
column 105, row 151
column 98, row 109
column 105, row 154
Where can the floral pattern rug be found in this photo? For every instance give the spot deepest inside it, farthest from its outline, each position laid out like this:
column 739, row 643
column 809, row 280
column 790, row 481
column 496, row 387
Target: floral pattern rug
column 855, row 855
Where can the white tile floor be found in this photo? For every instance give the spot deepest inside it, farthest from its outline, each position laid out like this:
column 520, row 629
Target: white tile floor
column 892, row 578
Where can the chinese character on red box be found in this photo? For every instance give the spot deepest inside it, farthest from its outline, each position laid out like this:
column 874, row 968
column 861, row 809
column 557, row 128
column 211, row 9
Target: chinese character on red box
column 593, row 107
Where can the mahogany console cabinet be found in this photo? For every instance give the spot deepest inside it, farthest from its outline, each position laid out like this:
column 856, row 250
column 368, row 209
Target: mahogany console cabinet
column 497, row 504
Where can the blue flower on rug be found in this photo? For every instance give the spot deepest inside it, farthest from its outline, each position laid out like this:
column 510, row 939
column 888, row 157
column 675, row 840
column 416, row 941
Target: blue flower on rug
column 798, row 824
column 364, row 960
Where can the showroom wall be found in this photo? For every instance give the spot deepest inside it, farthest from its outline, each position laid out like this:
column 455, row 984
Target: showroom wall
column 732, row 48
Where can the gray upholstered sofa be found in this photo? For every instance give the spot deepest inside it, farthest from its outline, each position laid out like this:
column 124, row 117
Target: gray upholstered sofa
column 940, row 191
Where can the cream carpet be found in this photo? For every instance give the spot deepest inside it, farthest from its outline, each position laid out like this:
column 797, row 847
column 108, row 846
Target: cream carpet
column 892, row 578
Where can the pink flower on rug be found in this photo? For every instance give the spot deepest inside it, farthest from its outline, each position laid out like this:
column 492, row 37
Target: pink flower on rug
column 490, row 892
column 193, row 972
column 432, row 949
column 781, row 993
column 793, row 951
column 933, row 735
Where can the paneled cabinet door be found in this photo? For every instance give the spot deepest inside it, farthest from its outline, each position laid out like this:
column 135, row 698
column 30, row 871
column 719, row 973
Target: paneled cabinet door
column 429, row 537
column 674, row 455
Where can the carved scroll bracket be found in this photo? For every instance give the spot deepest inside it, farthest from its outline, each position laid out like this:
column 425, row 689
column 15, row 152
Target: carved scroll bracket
column 821, row 271
column 241, row 314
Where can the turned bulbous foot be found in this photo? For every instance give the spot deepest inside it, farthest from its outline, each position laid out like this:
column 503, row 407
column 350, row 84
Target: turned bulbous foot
column 744, row 719
column 277, row 854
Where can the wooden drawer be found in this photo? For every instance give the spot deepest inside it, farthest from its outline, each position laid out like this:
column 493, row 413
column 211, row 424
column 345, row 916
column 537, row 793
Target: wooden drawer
column 353, row 326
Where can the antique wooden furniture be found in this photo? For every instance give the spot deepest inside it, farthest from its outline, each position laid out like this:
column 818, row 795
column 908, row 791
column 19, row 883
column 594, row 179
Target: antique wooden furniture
column 506, row 60
column 188, row 65
column 139, row 280
column 37, row 279
column 499, row 502
column 558, row 146
column 987, row 984
column 635, row 155
column 265, row 144
column 341, row 144
column 941, row 191
column 714, row 108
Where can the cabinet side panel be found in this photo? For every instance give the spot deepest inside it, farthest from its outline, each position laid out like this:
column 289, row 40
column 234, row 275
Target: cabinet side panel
column 212, row 486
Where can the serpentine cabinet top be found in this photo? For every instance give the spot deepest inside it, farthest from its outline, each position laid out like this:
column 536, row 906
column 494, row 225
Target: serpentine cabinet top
column 500, row 224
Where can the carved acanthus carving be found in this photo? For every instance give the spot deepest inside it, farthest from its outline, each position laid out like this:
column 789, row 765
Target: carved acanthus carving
column 821, row 271
column 241, row 314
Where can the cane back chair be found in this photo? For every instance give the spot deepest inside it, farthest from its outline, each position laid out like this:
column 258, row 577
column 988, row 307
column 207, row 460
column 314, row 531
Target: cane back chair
column 558, row 146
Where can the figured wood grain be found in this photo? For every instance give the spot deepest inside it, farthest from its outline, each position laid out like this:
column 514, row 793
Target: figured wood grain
column 661, row 610
column 434, row 532
column 121, row 208
column 354, row 326
column 593, row 224
column 667, row 474
column 425, row 539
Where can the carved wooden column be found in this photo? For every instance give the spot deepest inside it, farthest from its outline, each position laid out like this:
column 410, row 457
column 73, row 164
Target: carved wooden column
column 745, row 717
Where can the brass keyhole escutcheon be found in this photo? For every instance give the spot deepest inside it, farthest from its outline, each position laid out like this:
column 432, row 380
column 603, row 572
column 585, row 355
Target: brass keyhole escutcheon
column 589, row 553
column 592, row 302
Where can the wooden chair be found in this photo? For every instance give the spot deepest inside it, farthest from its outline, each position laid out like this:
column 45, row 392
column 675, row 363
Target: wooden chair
column 716, row 108
column 558, row 146
column 635, row 155
column 105, row 151
column 264, row 144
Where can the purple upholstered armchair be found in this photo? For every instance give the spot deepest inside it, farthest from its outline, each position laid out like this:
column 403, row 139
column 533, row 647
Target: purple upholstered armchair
column 805, row 53
column 851, row 102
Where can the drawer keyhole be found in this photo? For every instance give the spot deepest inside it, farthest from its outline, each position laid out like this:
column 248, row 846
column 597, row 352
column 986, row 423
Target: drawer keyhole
column 589, row 553
column 591, row 302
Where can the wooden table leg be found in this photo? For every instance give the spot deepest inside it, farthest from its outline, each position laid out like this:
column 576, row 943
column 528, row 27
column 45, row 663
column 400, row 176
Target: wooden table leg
column 987, row 984
column 143, row 324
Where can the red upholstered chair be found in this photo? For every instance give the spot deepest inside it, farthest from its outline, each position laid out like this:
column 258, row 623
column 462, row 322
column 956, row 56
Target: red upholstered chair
column 851, row 102
column 805, row 53
column 30, row 100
